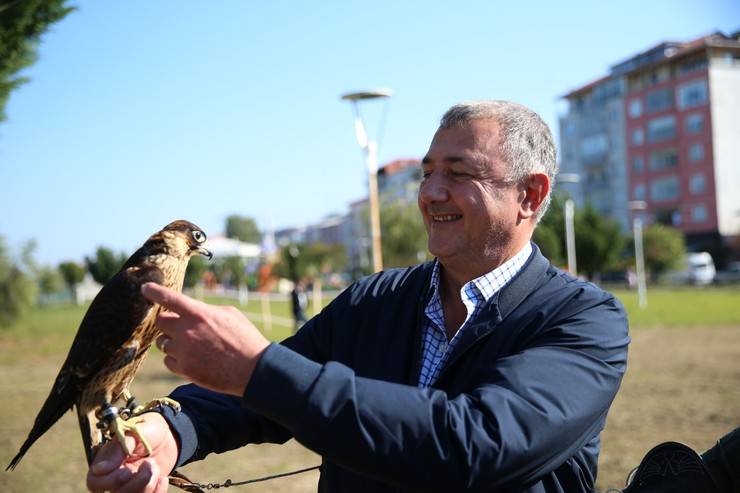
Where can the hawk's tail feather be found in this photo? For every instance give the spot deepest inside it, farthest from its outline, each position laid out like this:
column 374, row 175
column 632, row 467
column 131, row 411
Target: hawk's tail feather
column 48, row 415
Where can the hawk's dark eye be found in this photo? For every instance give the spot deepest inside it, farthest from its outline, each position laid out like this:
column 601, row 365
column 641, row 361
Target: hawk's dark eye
column 199, row 236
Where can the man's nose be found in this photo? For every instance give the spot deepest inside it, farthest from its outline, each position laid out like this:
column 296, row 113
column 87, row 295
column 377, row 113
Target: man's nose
column 433, row 189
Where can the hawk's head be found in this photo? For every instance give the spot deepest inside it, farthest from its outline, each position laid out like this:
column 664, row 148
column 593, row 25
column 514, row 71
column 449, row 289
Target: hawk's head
column 182, row 239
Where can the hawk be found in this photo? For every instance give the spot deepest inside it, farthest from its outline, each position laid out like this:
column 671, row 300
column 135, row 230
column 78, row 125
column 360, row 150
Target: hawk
column 113, row 340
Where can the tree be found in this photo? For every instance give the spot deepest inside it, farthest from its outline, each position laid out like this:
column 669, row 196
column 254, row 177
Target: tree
column 664, row 249
column 105, row 265
column 50, row 280
column 403, row 235
column 72, row 274
column 302, row 260
column 550, row 232
column 599, row 241
column 22, row 23
column 17, row 288
column 243, row 229
column 194, row 273
column 546, row 237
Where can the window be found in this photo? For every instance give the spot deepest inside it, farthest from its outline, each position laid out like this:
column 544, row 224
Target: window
column 638, row 136
column 635, row 108
column 664, row 189
column 661, row 128
column 662, row 159
column 697, row 184
column 696, row 152
column 692, row 66
column 691, row 94
column 670, row 217
column 638, row 192
column 659, row 100
column 699, row 213
column 638, row 164
column 694, row 123
column 594, row 145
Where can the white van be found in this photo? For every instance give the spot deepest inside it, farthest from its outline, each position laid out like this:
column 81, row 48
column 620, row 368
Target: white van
column 701, row 268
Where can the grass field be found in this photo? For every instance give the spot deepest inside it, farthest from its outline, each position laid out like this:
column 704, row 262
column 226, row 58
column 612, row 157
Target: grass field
column 683, row 384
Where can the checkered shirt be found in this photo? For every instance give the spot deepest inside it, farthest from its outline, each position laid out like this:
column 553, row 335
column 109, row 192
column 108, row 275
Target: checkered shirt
column 475, row 294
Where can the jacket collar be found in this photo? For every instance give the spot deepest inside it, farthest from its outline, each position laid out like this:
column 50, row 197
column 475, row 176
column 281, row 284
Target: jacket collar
column 502, row 304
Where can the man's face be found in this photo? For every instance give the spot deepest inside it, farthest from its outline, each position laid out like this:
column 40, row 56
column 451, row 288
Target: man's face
column 469, row 208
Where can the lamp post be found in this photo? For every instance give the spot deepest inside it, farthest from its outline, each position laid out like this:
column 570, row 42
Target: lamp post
column 569, row 214
column 370, row 148
column 637, row 206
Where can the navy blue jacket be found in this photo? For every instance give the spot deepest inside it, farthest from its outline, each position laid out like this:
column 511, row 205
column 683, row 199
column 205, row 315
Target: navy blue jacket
column 518, row 408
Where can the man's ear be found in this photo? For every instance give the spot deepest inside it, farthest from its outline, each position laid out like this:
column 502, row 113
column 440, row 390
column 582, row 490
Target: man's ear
column 533, row 193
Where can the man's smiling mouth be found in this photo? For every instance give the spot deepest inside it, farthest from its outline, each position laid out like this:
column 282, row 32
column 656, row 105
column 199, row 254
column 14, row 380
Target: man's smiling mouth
column 444, row 218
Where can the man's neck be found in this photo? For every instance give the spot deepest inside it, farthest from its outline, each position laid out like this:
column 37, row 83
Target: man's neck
column 455, row 273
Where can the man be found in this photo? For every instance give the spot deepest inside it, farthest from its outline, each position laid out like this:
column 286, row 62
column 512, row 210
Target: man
column 485, row 370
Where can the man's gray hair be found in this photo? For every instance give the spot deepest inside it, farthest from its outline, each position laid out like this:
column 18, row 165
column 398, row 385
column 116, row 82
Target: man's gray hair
column 526, row 142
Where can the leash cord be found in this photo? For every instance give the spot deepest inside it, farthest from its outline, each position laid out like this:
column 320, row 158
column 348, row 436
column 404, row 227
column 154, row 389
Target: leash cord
column 228, row 483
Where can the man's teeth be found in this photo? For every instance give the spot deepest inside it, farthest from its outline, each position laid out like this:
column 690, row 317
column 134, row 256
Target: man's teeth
column 446, row 217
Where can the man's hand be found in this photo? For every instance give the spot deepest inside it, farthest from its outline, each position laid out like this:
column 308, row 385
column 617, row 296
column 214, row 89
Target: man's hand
column 215, row 347
column 113, row 470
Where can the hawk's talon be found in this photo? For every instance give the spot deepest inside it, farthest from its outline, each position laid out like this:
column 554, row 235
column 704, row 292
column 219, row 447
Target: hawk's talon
column 155, row 403
column 120, row 426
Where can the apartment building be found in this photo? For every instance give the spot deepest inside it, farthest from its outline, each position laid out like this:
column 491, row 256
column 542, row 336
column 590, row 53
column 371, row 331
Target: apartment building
column 674, row 143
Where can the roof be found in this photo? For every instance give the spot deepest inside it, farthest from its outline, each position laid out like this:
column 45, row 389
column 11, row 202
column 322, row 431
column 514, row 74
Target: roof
column 659, row 54
column 397, row 165
column 221, row 247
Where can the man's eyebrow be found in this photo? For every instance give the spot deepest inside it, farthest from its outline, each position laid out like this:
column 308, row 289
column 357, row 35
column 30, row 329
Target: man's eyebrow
column 446, row 159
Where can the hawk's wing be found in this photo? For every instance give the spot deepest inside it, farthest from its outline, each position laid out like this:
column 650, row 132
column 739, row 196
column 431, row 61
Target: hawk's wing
column 114, row 313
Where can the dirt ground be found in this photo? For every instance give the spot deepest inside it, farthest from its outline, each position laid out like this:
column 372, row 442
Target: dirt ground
column 682, row 385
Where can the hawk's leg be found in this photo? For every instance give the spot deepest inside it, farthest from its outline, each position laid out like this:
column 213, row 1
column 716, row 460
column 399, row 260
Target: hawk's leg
column 114, row 427
column 134, row 409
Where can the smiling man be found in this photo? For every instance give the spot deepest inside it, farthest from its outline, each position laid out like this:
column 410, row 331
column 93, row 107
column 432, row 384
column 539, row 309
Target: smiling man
column 486, row 369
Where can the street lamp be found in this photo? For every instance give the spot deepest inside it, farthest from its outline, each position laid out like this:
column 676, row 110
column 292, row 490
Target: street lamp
column 569, row 213
column 638, row 206
column 370, row 147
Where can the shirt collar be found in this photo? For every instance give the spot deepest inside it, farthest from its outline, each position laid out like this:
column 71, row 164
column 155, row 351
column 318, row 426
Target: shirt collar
column 491, row 282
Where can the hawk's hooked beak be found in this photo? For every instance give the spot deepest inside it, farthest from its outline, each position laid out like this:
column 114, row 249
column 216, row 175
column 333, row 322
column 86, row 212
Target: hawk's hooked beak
column 204, row 251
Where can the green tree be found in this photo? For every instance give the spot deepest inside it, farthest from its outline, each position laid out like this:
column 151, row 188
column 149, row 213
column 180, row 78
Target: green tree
column 234, row 271
column 72, row 274
column 105, row 264
column 403, row 235
column 17, row 288
column 664, row 249
column 550, row 232
column 242, row 228
column 599, row 241
column 22, row 23
column 546, row 237
column 310, row 260
column 50, row 280
column 194, row 273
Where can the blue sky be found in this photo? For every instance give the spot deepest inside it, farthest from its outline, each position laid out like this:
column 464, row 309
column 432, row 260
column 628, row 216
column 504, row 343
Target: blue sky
column 141, row 112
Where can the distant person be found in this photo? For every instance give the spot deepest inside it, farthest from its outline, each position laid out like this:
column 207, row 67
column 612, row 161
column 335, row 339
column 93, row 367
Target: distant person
column 299, row 303
column 486, row 369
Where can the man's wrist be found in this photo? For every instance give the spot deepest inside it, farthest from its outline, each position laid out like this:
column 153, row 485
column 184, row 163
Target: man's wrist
column 182, row 432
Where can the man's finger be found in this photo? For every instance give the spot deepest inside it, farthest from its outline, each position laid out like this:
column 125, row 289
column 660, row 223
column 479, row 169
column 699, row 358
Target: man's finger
column 107, row 459
column 141, row 480
column 168, row 298
column 168, row 325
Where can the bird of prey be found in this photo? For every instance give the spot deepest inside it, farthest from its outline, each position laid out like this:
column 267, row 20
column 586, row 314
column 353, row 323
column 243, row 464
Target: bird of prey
column 113, row 340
